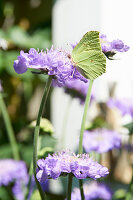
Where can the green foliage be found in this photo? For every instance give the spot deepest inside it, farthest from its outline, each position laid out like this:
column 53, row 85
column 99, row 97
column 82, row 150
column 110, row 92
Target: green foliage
column 129, row 126
column 88, row 57
column 4, row 193
column 119, row 194
column 47, row 141
column 98, row 122
column 21, row 38
column 45, row 126
column 35, row 195
column 26, row 152
column 43, row 153
column 5, row 151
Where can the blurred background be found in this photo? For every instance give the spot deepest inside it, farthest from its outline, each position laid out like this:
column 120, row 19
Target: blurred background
column 23, row 24
column 39, row 24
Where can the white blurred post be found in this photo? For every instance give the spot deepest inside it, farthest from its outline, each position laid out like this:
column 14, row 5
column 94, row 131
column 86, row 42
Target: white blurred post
column 72, row 19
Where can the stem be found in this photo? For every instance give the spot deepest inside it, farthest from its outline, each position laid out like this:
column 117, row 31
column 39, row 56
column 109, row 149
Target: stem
column 9, row 129
column 36, row 133
column 87, row 101
column 69, row 190
column 81, row 189
column 129, row 194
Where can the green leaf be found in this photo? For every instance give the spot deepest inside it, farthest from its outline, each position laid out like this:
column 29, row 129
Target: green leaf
column 129, row 126
column 45, row 126
column 43, row 153
column 18, row 36
column 5, row 151
column 26, row 152
column 88, row 57
column 47, row 141
column 4, row 193
column 119, row 194
column 35, row 195
column 98, row 122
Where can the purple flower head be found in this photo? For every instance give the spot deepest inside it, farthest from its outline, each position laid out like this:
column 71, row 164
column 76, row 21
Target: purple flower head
column 64, row 162
column 93, row 190
column 77, row 89
column 101, row 140
column 118, row 45
column 14, row 172
column 125, row 105
column 113, row 46
column 56, row 63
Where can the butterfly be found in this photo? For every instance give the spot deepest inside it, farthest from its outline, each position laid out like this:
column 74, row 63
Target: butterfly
column 88, row 57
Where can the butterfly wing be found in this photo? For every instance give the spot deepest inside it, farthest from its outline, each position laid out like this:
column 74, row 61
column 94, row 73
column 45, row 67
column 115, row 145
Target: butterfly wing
column 88, row 56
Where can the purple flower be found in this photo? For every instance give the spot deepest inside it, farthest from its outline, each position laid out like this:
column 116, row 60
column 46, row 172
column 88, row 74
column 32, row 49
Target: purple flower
column 12, row 171
column 77, row 89
column 56, row 63
column 93, row 190
column 101, row 140
column 118, row 45
column 125, row 105
column 106, row 47
column 113, row 46
column 64, row 162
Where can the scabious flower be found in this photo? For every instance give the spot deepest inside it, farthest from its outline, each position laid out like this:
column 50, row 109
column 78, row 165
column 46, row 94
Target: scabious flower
column 124, row 105
column 56, row 63
column 93, row 191
column 101, row 140
column 15, row 172
column 78, row 89
column 110, row 48
column 65, row 162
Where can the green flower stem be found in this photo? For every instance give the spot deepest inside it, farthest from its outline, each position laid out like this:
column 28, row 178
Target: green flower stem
column 129, row 194
column 69, row 190
column 36, row 133
column 87, row 101
column 81, row 189
column 9, row 128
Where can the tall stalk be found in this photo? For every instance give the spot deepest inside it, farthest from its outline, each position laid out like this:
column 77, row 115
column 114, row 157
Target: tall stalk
column 36, row 133
column 9, row 129
column 87, row 101
column 129, row 194
column 69, row 189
